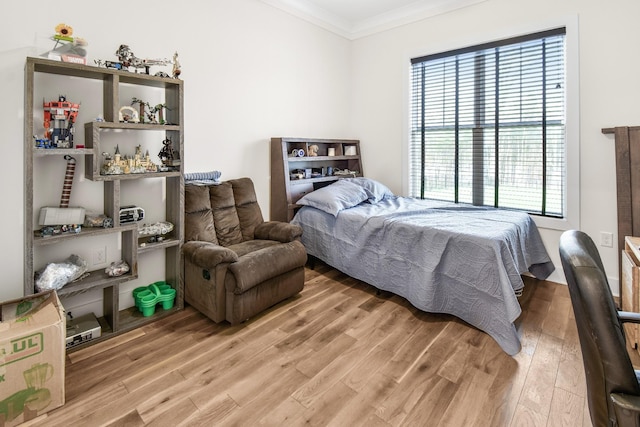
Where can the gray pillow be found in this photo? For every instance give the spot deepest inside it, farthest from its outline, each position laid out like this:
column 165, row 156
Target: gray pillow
column 375, row 190
column 336, row 197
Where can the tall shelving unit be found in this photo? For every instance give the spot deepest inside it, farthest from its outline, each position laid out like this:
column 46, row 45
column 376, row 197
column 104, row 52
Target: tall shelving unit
column 287, row 187
column 627, row 157
column 114, row 319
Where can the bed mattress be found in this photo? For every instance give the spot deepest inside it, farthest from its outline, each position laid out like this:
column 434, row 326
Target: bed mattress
column 443, row 258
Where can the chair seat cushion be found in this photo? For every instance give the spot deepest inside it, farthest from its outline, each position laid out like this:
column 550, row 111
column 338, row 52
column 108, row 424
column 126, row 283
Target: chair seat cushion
column 243, row 248
column 268, row 259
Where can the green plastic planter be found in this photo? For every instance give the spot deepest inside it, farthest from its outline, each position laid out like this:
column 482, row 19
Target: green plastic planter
column 147, row 297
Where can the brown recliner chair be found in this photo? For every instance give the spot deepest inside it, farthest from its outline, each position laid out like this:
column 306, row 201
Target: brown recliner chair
column 613, row 391
column 235, row 264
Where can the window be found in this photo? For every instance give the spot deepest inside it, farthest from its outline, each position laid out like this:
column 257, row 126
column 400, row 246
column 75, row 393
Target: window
column 488, row 125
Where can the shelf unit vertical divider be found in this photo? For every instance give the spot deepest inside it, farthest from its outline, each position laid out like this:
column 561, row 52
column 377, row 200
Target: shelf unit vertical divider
column 112, row 201
column 174, row 99
column 28, row 181
column 110, row 303
column 111, row 98
column 175, row 214
column 130, row 250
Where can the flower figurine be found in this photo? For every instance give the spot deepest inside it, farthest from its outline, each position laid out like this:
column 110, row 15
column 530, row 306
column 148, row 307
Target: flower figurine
column 64, row 32
column 67, row 48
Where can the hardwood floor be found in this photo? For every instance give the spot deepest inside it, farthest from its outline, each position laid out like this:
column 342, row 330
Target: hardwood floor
column 336, row 355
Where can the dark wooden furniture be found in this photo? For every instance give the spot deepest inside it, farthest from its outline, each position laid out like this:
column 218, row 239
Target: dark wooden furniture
column 627, row 146
column 112, row 86
column 286, row 189
column 629, row 281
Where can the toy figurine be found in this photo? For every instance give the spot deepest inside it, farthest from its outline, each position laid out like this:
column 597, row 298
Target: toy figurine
column 167, row 155
column 128, row 115
column 125, row 55
column 176, row 66
column 159, row 108
column 59, row 117
column 313, row 151
column 141, row 105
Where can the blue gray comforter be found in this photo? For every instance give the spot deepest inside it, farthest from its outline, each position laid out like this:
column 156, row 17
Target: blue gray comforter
column 441, row 257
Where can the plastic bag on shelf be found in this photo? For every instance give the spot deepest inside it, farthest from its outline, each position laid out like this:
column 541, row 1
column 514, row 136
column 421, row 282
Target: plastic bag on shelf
column 57, row 274
column 117, row 268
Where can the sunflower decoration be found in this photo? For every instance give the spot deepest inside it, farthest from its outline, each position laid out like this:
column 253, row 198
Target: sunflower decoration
column 64, row 32
column 67, row 47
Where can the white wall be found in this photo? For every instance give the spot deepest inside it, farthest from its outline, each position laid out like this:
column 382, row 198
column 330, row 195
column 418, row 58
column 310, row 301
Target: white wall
column 251, row 72
column 609, row 90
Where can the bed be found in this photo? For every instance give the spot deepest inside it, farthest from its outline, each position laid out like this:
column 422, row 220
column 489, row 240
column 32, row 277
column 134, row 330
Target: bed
column 443, row 258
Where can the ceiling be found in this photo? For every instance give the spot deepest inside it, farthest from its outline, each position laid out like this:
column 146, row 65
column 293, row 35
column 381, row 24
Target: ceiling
column 358, row 18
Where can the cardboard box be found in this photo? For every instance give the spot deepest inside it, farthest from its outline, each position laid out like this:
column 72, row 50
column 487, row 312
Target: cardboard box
column 32, row 357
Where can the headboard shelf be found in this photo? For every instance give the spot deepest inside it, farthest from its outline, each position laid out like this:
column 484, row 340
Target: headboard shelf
column 321, row 158
column 302, row 165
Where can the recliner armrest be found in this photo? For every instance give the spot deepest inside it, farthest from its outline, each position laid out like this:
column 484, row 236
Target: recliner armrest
column 629, row 317
column 278, row 231
column 207, row 255
column 626, row 407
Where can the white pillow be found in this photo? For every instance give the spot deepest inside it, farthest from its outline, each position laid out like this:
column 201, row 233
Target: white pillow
column 375, row 190
column 336, row 197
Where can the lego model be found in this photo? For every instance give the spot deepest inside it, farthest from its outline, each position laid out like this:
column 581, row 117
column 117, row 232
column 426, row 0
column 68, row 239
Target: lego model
column 59, row 118
column 128, row 114
column 98, row 220
column 117, row 165
column 168, row 156
column 62, row 219
column 159, row 110
column 126, row 59
column 149, row 114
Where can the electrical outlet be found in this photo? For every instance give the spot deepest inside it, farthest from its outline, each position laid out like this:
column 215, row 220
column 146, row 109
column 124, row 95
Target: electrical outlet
column 606, row 239
column 100, row 256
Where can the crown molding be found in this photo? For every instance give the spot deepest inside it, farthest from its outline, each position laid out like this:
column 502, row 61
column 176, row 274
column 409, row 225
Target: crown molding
column 350, row 29
column 312, row 13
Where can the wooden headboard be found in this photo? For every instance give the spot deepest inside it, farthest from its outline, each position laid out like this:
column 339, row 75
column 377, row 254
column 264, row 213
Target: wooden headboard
column 627, row 140
column 297, row 169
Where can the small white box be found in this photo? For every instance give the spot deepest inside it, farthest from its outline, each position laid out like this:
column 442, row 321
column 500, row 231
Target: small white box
column 82, row 329
column 61, row 216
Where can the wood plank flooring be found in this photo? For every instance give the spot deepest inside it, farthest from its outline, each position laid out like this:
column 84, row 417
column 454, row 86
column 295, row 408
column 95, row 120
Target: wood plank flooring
column 338, row 354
